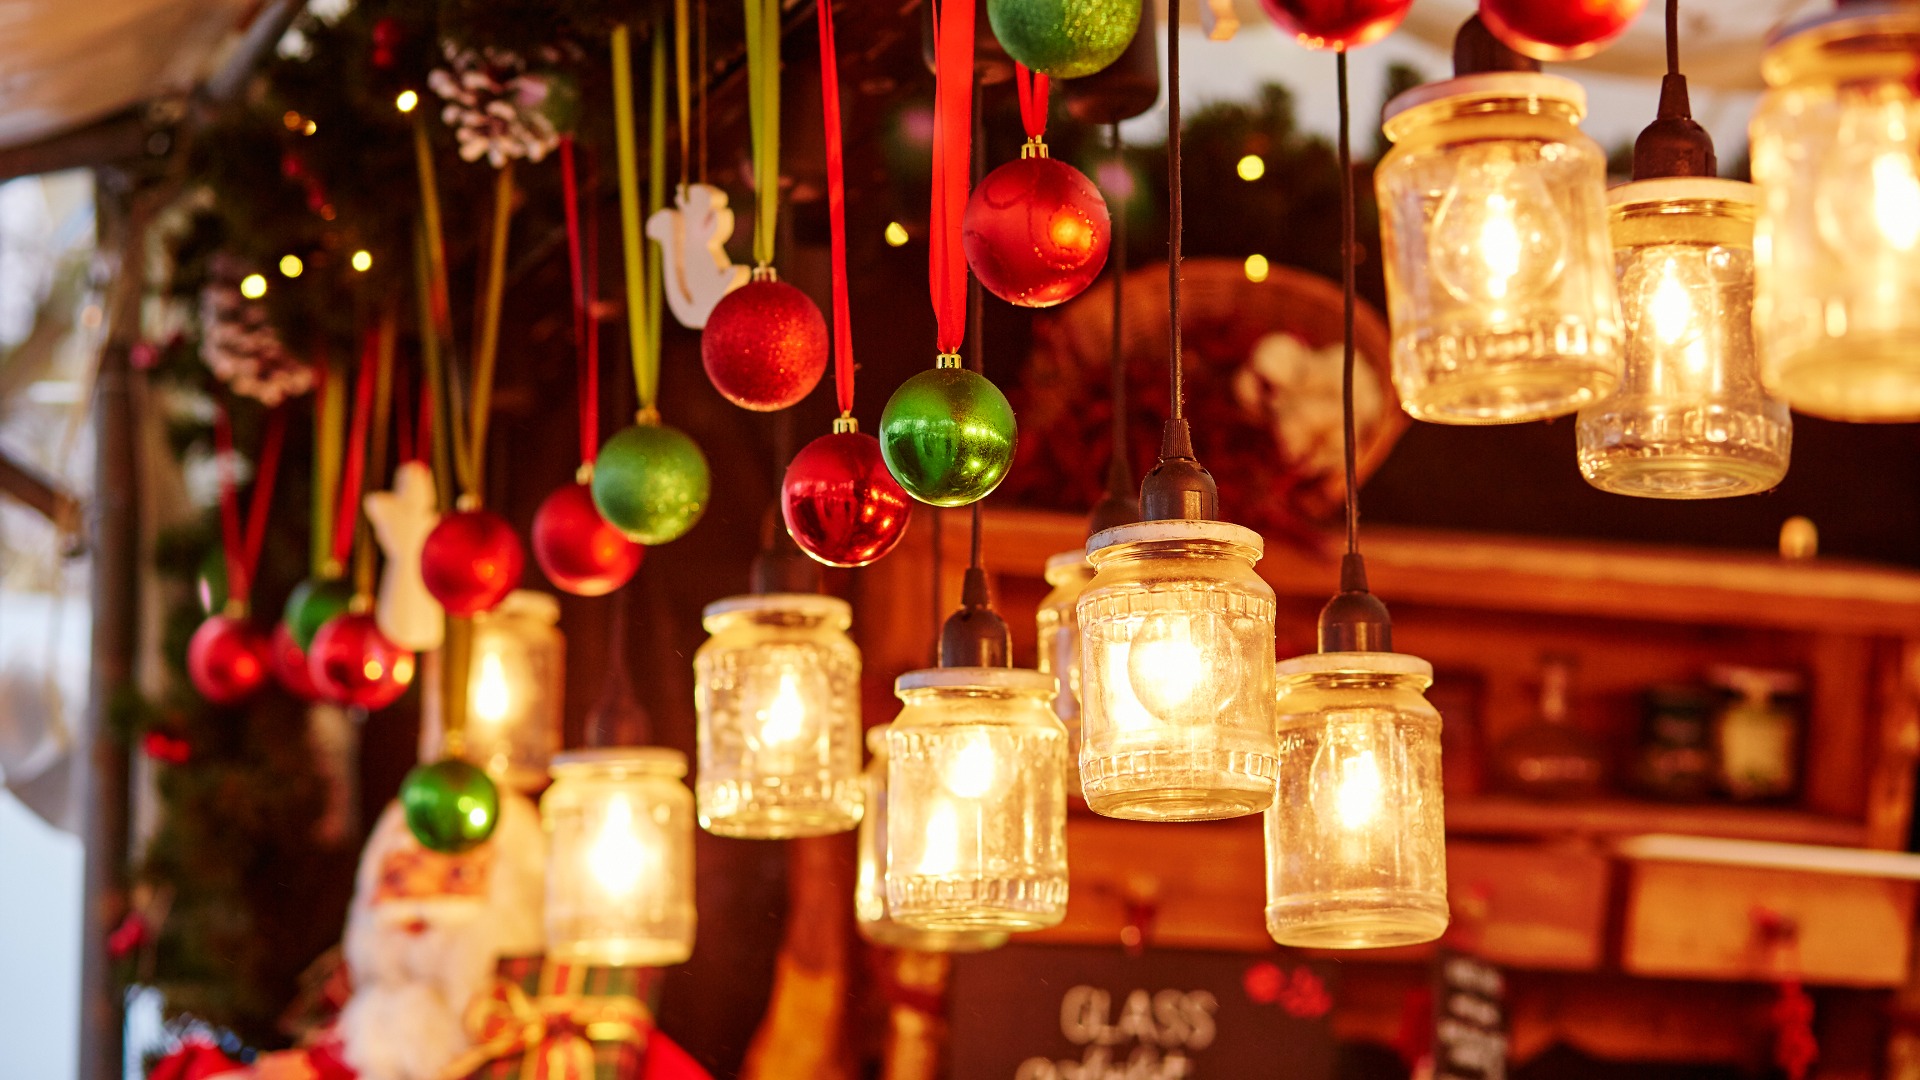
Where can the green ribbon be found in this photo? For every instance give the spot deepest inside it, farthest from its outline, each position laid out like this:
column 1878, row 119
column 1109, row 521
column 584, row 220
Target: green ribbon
column 656, row 191
column 763, row 116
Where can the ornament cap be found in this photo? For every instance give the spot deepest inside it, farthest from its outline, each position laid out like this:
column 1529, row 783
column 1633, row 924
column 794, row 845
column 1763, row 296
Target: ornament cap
column 1673, row 145
column 765, row 272
column 1034, row 147
column 949, row 360
column 976, row 635
column 1476, row 51
column 846, row 425
column 1355, row 620
column 1179, row 488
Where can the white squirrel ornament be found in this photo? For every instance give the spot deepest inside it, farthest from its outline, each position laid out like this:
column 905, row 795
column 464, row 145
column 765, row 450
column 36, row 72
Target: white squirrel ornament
column 401, row 518
column 693, row 235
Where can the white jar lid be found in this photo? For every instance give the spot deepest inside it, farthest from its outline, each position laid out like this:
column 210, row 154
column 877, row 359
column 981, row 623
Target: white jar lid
column 1676, row 188
column 1225, row 532
column 807, row 604
column 1493, row 84
column 639, row 759
column 530, row 603
column 1064, row 560
column 1371, row 663
column 977, row 678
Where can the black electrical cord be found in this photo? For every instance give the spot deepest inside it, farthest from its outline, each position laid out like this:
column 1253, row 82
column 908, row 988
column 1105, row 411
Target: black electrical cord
column 1174, row 358
column 1119, row 476
column 1673, row 37
column 1349, row 422
column 976, row 297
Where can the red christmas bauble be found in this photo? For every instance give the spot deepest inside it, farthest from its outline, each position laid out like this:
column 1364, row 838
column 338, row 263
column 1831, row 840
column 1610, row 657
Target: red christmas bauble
column 353, row 663
column 1559, row 29
column 1036, row 232
column 227, row 659
column 840, row 503
column 1337, row 25
column 577, row 549
column 765, row 345
column 471, row 561
column 290, row 665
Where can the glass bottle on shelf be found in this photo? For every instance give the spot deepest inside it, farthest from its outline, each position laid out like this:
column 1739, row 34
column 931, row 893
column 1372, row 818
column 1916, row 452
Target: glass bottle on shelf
column 1551, row 758
column 1757, row 733
column 1675, row 757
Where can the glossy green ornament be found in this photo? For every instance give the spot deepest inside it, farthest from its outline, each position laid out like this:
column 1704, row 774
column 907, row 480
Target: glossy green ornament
column 311, row 604
column 450, row 805
column 947, row 435
column 1064, row 39
column 650, row 482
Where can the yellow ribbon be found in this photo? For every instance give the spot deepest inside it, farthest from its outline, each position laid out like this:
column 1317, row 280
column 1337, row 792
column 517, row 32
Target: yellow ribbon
column 554, row 1033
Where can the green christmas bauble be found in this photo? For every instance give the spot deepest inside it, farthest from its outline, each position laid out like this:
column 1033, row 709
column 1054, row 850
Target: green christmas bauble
column 311, row 604
column 210, row 583
column 1064, row 39
column 947, row 435
column 450, row 805
column 650, row 482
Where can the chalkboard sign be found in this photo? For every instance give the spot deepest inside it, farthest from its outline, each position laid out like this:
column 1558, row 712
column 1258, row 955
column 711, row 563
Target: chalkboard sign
column 1469, row 1018
column 1038, row 1012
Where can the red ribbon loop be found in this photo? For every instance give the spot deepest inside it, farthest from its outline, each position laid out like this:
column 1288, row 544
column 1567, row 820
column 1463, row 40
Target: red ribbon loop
column 836, row 211
column 1033, row 90
column 586, row 338
column 952, row 152
column 241, row 544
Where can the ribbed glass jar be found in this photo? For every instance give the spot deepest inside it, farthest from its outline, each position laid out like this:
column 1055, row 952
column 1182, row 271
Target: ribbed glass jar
column 1356, row 843
column 777, row 689
column 1176, row 673
column 1691, row 419
column 1068, row 572
column 977, row 801
column 870, row 912
column 516, row 692
column 1494, row 233
column 1836, row 155
column 619, row 858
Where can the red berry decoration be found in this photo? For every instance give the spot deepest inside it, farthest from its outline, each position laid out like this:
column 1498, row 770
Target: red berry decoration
column 290, row 665
column 1036, row 232
column 1337, row 25
column 227, row 659
column 1559, row 29
column 576, row 548
column 471, row 561
column 353, row 663
column 840, row 503
column 765, row 345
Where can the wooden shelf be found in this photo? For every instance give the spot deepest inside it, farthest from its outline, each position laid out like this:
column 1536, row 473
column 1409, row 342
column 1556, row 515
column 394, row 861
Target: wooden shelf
column 1506, row 815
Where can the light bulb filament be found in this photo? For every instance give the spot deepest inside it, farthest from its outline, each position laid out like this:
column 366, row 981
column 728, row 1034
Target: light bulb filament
column 1896, row 199
column 971, row 773
column 492, row 697
column 1357, row 799
column 1671, row 307
column 784, row 718
column 617, row 858
column 1500, row 245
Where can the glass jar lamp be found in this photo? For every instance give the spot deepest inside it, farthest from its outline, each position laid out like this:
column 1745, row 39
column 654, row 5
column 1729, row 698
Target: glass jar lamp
column 1068, row 572
column 619, row 858
column 516, row 692
column 976, row 801
column 1836, row 156
column 1176, row 673
column 870, row 911
column 1356, row 841
column 1690, row 419
column 1493, row 227
column 777, row 688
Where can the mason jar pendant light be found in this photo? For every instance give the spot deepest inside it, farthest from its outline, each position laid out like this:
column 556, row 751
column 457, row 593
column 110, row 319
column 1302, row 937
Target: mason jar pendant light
column 515, row 692
column 1836, row 156
column 1493, row 228
column 1176, row 628
column 619, row 827
column 1690, row 419
column 1356, row 838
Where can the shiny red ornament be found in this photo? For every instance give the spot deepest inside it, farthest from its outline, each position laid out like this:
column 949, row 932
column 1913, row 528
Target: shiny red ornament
column 1559, row 29
column 227, row 659
column 290, row 665
column 577, row 549
column 471, row 561
column 1337, row 25
column 765, row 345
column 840, row 503
column 1036, row 232
column 353, row 663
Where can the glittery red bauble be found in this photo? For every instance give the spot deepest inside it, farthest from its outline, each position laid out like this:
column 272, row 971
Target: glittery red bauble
column 765, row 345
column 840, row 503
column 1559, row 29
column 1036, row 232
column 290, row 665
column 353, row 663
column 1337, row 25
column 227, row 659
column 576, row 548
column 471, row 561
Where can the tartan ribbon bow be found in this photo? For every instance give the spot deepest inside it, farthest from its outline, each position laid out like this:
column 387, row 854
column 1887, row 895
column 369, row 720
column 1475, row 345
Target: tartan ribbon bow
column 556, row 1033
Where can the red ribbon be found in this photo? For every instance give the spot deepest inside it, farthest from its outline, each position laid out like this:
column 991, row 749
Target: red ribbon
column 356, row 464
column 585, row 339
column 243, row 551
column 1033, row 100
column 836, row 211
column 952, row 152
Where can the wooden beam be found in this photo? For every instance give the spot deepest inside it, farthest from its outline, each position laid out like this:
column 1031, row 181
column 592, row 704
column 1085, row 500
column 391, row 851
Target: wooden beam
column 122, row 137
column 37, row 492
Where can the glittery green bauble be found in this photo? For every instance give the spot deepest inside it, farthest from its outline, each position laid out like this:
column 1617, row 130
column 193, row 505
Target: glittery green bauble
column 650, row 482
column 311, row 604
column 947, row 435
column 1064, row 39
column 451, row 806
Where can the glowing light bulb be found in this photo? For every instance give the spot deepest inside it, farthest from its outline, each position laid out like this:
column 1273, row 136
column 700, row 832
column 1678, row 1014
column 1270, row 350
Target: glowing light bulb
column 1172, row 667
column 942, row 852
column 784, row 718
column 406, row 101
column 896, row 234
column 1357, row 800
column 1251, row 168
column 1670, row 308
column 492, row 696
column 253, row 286
column 971, row 773
column 1257, row 268
column 1495, row 240
column 617, row 859
column 363, row 260
column 291, row 266
column 1896, row 199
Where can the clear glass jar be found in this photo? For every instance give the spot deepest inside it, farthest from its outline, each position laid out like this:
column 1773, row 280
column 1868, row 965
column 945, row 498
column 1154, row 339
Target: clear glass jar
column 1356, row 842
column 1068, row 572
column 1690, row 419
column 977, row 801
column 1494, row 231
column 516, row 692
column 1176, row 673
column 870, row 911
column 777, row 688
column 619, row 858
column 1837, row 299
